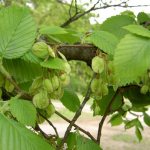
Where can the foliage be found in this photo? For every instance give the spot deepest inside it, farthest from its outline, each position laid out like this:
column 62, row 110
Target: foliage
column 34, row 72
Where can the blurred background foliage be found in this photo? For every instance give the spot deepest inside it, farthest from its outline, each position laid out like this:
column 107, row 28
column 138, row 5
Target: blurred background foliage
column 54, row 12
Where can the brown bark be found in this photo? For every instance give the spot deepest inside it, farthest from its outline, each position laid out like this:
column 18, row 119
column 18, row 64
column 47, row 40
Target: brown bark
column 78, row 52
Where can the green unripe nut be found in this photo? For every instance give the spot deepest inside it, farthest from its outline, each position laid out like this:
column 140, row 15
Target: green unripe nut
column 40, row 49
column 55, row 82
column 41, row 100
column 67, row 67
column 96, row 110
column 36, row 84
column 144, row 89
column 48, row 85
column 104, row 89
column 98, row 64
column 40, row 119
column 65, row 79
column 50, row 110
column 94, row 85
column 57, row 94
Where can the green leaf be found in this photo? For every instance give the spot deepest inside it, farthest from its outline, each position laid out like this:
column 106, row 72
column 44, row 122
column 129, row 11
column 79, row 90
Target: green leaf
column 54, row 63
column 116, row 119
column 131, row 58
column 128, row 13
column 147, row 119
column 23, row 111
column 57, row 34
column 103, row 103
column 143, row 17
column 135, row 122
column 67, row 38
column 25, row 85
column 104, row 40
column 114, row 25
column 96, row 108
column 21, row 70
column 75, row 141
column 138, row 134
column 139, row 125
column 139, row 101
column 138, row 30
column 17, row 31
column 52, row 30
column 71, row 141
column 70, row 100
column 84, row 143
column 17, row 137
column 31, row 58
column 131, row 123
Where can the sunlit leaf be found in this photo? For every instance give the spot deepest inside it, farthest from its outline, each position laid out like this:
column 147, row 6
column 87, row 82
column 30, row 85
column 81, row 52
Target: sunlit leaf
column 21, row 70
column 138, row 30
column 114, row 25
column 17, row 137
column 131, row 58
column 106, row 41
column 17, row 31
column 138, row 134
column 23, row 111
column 70, row 100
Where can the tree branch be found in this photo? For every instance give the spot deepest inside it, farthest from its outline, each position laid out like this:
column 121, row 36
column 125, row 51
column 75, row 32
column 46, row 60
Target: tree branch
column 37, row 128
column 79, row 15
column 77, row 114
column 76, row 126
column 70, row 8
column 102, row 6
column 76, row 6
column 50, row 123
column 78, row 52
column 105, row 115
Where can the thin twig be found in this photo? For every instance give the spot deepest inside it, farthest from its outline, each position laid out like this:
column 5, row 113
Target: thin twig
column 76, row 6
column 93, row 8
column 70, row 8
column 37, row 128
column 78, row 15
column 77, row 114
column 50, row 123
column 76, row 126
column 105, row 115
column 136, row 115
